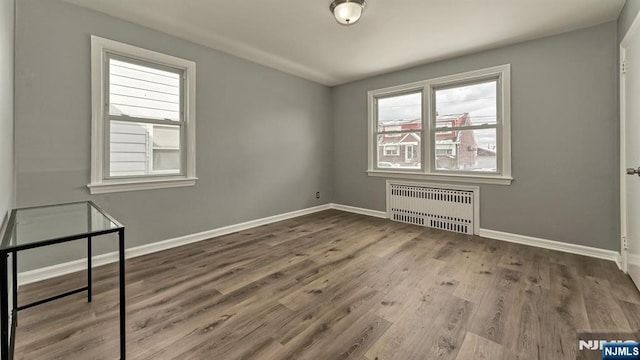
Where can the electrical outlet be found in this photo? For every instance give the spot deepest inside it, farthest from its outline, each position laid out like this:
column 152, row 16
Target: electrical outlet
column 317, row 194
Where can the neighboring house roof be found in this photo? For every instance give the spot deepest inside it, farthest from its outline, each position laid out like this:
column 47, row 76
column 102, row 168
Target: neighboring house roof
column 439, row 118
column 401, row 122
column 410, row 138
column 453, row 120
column 449, row 117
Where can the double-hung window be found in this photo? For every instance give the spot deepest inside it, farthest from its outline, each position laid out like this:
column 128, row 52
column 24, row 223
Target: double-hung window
column 143, row 123
column 454, row 128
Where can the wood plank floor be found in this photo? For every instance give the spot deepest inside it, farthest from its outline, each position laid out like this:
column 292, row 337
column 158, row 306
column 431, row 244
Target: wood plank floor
column 336, row 285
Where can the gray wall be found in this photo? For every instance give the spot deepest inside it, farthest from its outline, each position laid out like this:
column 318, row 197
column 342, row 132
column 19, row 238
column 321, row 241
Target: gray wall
column 564, row 119
column 6, row 107
column 627, row 15
column 263, row 137
column 564, row 138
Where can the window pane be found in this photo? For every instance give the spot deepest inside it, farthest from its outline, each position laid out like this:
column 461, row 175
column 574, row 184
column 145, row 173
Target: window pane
column 398, row 113
column 401, row 152
column 141, row 91
column 166, row 160
column 166, row 148
column 467, row 105
column 166, row 136
column 466, row 150
column 133, row 147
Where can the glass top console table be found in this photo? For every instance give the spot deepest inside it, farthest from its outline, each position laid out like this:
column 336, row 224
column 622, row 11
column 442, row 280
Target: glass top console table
column 41, row 226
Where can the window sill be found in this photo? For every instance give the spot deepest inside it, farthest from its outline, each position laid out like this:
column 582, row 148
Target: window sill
column 476, row 179
column 145, row 184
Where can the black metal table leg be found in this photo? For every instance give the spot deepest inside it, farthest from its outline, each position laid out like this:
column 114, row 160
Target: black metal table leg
column 14, row 278
column 4, row 310
column 123, row 335
column 89, row 269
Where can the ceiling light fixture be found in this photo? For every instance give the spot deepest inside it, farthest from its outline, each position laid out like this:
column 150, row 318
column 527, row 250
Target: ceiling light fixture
column 347, row 12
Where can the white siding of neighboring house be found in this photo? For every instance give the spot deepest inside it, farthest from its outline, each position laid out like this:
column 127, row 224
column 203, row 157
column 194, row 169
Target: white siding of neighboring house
column 129, row 149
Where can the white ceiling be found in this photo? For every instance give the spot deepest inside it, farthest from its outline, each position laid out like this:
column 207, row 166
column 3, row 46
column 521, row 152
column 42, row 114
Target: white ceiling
column 302, row 38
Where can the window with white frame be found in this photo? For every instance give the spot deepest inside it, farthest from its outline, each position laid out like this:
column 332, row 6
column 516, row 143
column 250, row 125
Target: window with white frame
column 143, row 123
column 391, row 150
column 464, row 120
column 408, row 153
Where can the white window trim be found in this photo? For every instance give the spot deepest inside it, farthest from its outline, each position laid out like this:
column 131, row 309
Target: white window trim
column 99, row 184
column 427, row 172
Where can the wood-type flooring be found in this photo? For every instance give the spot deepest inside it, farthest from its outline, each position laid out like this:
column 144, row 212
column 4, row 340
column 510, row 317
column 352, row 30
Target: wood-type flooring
column 335, row 285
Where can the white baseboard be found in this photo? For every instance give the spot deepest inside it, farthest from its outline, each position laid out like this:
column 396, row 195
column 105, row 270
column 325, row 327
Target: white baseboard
column 554, row 245
column 48, row 272
column 620, row 263
column 358, row 210
column 27, row 277
column 515, row 238
column 633, row 260
column 79, row 265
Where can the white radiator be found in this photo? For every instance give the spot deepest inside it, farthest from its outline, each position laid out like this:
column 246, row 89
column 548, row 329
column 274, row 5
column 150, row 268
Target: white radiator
column 452, row 208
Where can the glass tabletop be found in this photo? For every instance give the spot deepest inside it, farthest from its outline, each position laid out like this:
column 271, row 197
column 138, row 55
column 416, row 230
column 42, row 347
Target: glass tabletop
column 37, row 224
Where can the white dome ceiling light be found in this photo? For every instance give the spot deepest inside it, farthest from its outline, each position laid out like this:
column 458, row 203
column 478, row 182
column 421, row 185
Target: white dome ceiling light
column 347, row 12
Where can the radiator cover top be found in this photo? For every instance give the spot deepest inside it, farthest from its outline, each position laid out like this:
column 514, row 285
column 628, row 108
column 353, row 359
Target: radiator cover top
column 440, row 208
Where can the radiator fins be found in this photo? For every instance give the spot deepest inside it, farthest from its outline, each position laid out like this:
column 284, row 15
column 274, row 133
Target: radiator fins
column 445, row 209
